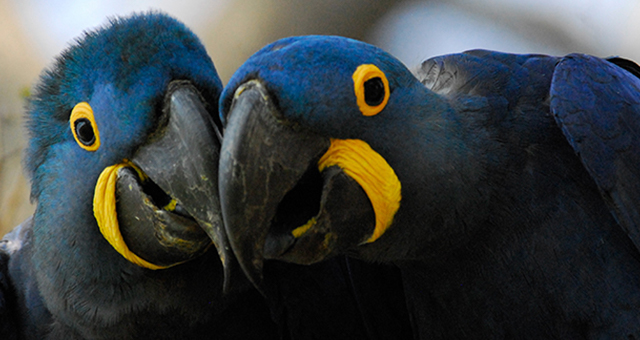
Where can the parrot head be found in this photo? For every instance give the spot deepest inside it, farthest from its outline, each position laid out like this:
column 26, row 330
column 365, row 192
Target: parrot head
column 326, row 142
column 123, row 157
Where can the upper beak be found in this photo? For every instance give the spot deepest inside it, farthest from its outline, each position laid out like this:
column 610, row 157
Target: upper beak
column 182, row 160
column 275, row 201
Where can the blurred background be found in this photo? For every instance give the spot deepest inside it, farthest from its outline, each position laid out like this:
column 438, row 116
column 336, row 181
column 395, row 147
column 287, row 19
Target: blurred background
column 33, row 32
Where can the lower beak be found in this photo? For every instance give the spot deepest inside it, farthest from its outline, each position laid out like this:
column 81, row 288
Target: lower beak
column 275, row 201
column 181, row 169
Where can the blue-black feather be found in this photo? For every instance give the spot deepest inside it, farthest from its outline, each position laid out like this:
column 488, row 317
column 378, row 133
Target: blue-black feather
column 519, row 181
column 65, row 280
column 132, row 59
column 597, row 105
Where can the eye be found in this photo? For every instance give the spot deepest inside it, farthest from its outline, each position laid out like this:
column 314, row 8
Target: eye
column 374, row 91
column 371, row 88
column 84, row 132
column 84, row 128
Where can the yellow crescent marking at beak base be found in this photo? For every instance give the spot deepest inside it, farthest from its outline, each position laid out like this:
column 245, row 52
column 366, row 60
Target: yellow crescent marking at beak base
column 104, row 210
column 372, row 172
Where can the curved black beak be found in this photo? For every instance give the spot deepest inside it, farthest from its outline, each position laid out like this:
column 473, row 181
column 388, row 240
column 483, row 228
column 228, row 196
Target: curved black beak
column 181, row 163
column 275, row 201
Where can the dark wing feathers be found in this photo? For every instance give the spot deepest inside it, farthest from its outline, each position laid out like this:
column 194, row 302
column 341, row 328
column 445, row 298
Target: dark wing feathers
column 597, row 106
column 10, row 245
column 596, row 103
column 626, row 64
column 7, row 324
column 340, row 298
column 479, row 72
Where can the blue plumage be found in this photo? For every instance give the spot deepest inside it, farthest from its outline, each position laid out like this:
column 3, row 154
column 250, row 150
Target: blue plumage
column 598, row 111
column 519, row 174
column 292, row 70
column 60, row 277
column 124, row 68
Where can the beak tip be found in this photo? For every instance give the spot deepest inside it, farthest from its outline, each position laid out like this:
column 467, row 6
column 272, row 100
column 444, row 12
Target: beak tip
column 253, row 272
column 232, row 275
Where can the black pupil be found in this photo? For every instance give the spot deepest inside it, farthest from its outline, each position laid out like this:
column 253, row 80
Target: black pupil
column 373, row 91
column 84, row 131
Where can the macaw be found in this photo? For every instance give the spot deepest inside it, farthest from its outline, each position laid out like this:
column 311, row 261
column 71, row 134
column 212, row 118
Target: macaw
column 122, row 158
column 504, row 187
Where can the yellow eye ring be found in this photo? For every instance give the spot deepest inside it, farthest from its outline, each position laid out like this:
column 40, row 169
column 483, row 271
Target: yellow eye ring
column 84, row 128
column 372, row 89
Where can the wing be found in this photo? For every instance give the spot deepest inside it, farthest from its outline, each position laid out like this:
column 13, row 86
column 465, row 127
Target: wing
column 486, row 73
column 597, row 106
column 339, row 298
column 7, row 324
column 312, row 301
column 379, row 294
column 9, row 245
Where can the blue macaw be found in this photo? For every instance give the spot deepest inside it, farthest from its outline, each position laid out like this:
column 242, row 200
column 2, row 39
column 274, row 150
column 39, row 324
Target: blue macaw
column 123, row 157
column 505, row 187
